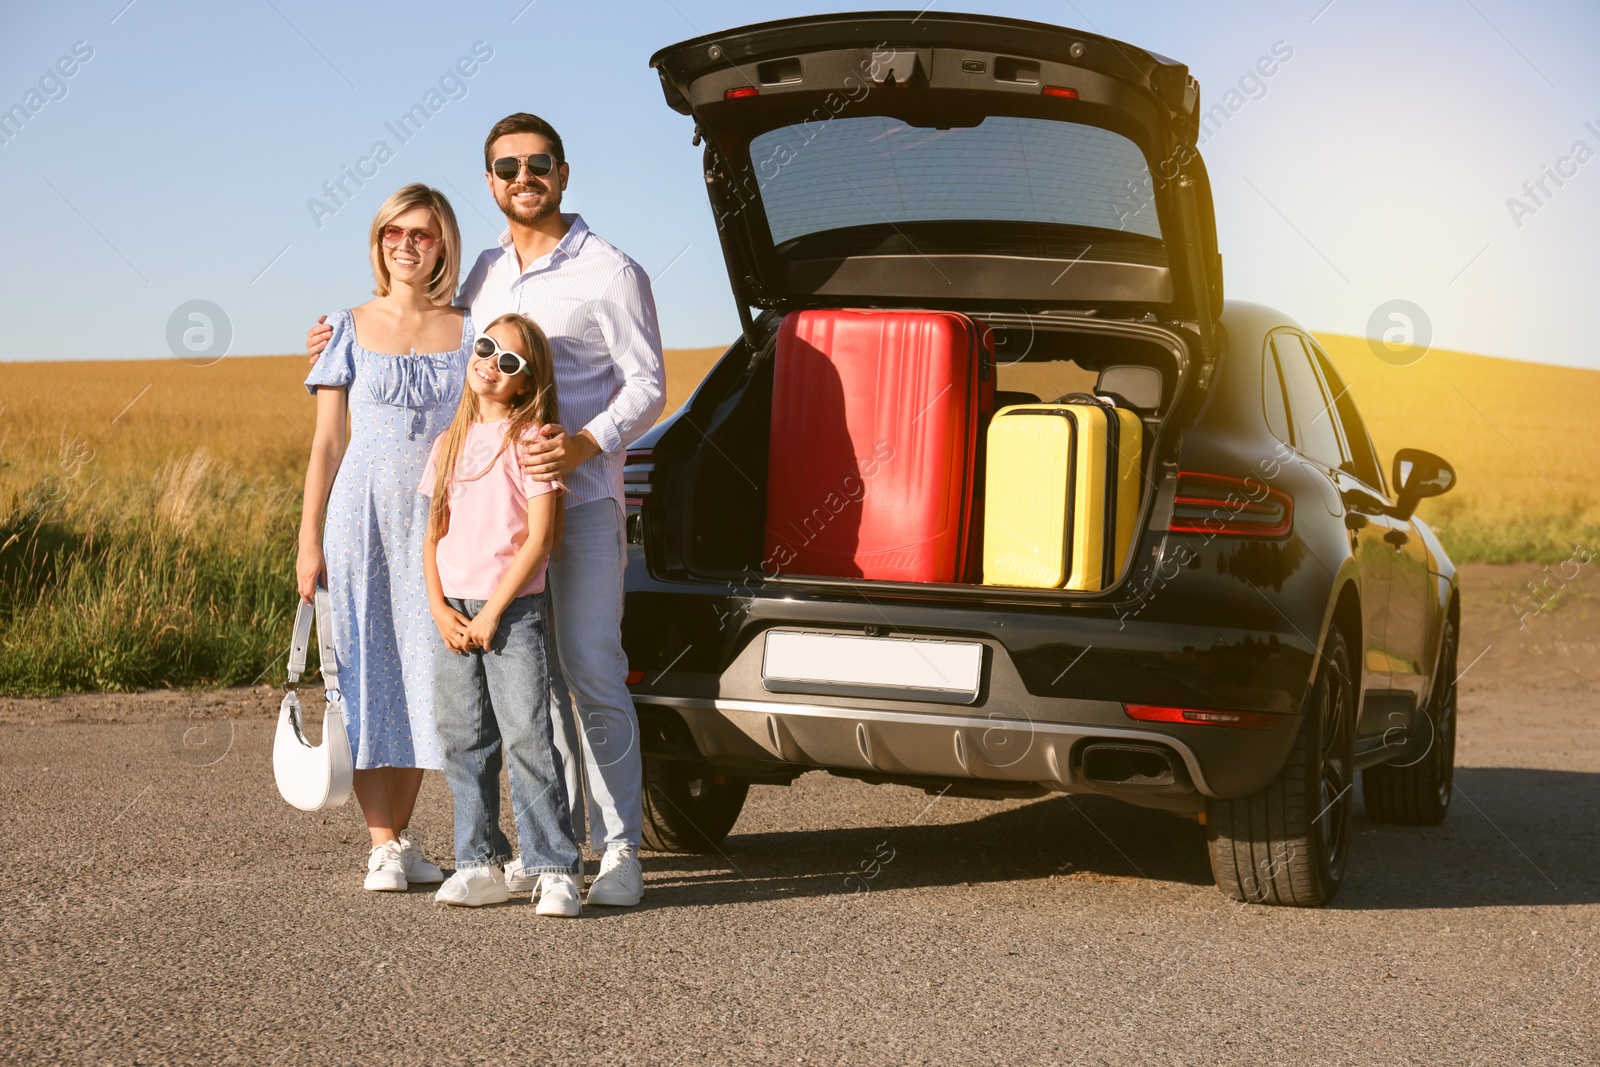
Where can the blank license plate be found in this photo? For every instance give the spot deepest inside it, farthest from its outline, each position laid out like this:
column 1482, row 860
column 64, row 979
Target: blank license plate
column 891, row 668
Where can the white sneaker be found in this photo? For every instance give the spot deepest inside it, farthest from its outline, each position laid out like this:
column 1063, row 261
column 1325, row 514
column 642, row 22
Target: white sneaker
column 558, row 895
column 517, row 881
column 620, row 883
column 419, row 869
column 385, row 871
column 473, row 888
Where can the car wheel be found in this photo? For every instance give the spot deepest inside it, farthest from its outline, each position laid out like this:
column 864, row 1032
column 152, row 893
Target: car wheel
column 1416, row 790
column 689, row 807
column 1288, row 844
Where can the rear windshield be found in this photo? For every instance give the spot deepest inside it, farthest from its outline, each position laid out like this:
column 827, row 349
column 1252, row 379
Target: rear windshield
column 871, row 170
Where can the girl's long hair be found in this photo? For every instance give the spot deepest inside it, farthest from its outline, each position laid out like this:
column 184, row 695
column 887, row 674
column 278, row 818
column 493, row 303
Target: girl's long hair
column 533, row 407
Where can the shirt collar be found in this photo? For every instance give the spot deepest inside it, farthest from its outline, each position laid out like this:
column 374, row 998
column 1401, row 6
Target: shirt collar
column 577, row 233
column 567, row 247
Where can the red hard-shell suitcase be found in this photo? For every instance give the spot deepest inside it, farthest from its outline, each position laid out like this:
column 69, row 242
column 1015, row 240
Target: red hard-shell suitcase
column 876, row 424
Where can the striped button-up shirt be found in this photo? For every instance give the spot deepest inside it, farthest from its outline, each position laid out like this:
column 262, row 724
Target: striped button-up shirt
column 595, row 305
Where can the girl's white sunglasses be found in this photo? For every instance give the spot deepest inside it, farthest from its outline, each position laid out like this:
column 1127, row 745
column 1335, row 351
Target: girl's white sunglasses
column 508, row 363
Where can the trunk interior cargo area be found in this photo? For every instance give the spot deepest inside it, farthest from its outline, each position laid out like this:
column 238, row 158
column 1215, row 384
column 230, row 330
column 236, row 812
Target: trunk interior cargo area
column 854, row 445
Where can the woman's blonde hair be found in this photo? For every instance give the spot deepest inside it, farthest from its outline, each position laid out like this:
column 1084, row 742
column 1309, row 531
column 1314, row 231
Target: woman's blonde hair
column 447, row 271
column 534, row 406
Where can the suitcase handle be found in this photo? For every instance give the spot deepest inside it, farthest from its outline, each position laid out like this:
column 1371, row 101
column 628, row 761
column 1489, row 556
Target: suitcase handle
column 1083, row 398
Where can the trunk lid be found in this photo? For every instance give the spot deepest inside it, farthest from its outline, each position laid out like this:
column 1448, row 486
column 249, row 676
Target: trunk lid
column 910, row 159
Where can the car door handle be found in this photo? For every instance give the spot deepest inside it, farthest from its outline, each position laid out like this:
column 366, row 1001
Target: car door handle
column 1397, row 538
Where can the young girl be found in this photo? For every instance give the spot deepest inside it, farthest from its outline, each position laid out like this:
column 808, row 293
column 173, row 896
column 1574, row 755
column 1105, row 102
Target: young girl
column 490, row 532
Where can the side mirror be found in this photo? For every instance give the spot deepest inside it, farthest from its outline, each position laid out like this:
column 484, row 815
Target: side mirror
column 1417, row 475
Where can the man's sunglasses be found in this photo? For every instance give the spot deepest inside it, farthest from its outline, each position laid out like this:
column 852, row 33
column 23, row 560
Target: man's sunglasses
column 395, row 236
column 508, row 363
column 506, row 168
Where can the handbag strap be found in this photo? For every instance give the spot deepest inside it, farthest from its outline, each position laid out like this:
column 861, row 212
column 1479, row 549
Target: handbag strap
column 301, row 642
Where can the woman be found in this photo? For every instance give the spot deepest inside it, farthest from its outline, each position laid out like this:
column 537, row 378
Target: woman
column 396, row 365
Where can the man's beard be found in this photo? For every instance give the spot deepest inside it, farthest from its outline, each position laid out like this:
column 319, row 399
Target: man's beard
column 548, row 205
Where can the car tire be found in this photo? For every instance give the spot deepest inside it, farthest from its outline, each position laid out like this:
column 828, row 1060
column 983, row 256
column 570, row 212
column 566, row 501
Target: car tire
column 1288, row 844
column 1416, row 791
column 689, row 807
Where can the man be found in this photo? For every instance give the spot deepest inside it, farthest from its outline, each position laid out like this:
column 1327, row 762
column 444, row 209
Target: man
column 595, row 305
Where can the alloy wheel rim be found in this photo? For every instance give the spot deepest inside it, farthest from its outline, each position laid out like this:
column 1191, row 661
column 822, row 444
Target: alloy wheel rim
column 1445, row 726
column 1334, row 772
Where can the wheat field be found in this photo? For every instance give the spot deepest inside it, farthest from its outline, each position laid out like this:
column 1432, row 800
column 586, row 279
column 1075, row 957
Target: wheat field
column 148, row 518
column 251, row 414
column 148, row 509
column 1518, row 434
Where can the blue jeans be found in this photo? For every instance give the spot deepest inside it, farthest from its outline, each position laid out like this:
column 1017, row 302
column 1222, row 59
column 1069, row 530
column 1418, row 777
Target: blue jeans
column 484, row 701
column 585, row 580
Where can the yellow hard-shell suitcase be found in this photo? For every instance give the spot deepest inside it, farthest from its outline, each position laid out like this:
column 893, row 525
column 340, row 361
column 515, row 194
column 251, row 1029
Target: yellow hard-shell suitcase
column 1062, row 494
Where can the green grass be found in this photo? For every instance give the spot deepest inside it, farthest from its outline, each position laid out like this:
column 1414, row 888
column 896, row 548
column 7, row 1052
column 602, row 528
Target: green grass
column 1538, row 535
column 181, row 578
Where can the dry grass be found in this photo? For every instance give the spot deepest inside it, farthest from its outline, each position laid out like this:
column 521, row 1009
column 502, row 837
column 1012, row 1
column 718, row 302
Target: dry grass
column 147, row 525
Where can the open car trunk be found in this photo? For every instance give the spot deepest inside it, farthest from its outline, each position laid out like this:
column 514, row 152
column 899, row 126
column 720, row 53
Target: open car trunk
column 719, row 483
column 1038, row 180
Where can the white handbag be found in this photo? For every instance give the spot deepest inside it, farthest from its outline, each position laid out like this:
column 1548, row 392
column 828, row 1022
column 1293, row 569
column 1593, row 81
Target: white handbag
column 313, row 778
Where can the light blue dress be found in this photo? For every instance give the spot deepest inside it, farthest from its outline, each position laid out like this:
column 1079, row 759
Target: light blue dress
column 372, row 541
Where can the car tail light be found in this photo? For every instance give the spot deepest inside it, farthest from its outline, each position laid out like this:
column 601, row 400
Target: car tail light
column 741, row 92
column 637, row 472
column 1059, row 90
column 635, row 677
column 1239, row 720
column 1220, row 504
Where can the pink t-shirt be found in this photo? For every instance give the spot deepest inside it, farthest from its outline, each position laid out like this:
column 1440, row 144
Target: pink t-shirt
column 488, row 515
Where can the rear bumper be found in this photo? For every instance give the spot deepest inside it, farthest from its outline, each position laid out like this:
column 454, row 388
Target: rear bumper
column 1055, row 678
column 918, row 748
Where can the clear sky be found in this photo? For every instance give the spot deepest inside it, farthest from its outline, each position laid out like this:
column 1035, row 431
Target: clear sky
column 177, row 160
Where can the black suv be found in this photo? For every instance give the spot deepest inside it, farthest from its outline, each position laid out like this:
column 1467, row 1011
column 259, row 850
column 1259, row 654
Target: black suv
column 1281, row 620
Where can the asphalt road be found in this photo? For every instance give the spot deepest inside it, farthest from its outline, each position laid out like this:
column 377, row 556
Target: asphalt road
column 159, row 907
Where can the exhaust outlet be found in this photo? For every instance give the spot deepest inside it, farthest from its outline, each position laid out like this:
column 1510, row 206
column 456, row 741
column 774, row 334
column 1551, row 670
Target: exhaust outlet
column 1129, row 766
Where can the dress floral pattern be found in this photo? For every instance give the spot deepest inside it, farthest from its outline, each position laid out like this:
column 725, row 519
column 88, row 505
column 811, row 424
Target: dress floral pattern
column 372, row 540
